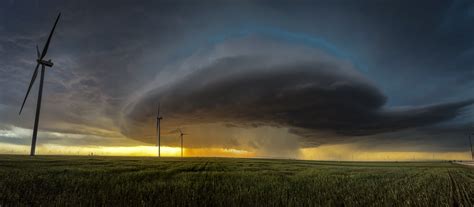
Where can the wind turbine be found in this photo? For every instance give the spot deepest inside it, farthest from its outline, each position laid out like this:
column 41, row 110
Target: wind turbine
column 181, row 135
column 158, row 120
column 44, row 64
column 470, row 144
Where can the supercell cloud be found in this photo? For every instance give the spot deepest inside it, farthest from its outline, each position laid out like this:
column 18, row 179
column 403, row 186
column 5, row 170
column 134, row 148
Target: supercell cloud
column 244, row 84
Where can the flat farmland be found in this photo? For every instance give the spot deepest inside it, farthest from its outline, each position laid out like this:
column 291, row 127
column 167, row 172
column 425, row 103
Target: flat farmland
column 146, row 181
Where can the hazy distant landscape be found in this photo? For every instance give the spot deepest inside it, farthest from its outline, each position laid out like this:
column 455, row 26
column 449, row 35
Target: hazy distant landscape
column 137, row 181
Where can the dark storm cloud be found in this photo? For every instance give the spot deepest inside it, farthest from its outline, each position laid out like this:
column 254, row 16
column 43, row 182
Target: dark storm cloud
column 311, row 94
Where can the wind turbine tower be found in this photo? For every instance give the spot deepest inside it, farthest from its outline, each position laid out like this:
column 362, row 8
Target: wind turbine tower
column 181, row 135
column 470, row 144
column 158, row 120
column 44, row 63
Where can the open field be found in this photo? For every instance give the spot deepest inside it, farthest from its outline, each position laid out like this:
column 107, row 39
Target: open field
column 137, row 181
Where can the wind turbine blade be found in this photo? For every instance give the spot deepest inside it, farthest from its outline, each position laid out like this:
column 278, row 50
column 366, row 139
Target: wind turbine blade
column 37, row 52
column 29, row 87
column 45, row 49
column 180, row 131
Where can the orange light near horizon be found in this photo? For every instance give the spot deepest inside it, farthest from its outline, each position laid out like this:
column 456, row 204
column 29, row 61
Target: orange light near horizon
column 151, row 151
column 346, row 152
column 218, row 152
column 329, row 152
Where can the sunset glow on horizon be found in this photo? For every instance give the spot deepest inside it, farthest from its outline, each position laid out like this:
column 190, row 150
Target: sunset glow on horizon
column 334, row 152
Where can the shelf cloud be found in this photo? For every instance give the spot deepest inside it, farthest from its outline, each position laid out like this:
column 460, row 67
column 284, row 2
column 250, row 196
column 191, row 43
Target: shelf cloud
column 309, row 94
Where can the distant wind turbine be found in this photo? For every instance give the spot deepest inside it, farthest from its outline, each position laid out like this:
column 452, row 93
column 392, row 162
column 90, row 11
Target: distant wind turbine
column 470, row 144
column 158, row 120
column 181, row 134
column 43, row 63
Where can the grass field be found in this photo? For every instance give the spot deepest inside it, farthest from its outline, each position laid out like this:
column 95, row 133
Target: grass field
column 138, row 181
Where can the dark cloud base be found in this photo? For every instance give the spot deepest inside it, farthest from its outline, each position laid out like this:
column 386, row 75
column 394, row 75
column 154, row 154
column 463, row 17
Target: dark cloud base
column 307, row 96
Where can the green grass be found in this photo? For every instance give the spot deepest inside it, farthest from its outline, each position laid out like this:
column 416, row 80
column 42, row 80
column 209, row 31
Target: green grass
column 138, row 181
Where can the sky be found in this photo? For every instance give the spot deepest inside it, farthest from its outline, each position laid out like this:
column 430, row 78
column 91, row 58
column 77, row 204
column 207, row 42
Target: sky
column 338, row 80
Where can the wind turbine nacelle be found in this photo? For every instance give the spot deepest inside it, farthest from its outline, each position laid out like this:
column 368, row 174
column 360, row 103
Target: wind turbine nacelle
column 45, row 63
